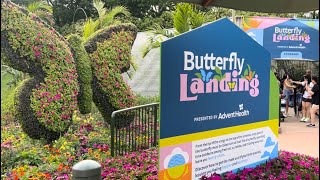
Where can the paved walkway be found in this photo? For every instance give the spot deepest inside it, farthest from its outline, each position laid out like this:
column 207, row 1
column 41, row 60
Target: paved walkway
column 296, row 137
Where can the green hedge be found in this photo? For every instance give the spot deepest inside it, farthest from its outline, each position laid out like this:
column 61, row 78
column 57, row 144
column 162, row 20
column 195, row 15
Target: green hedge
column 84, row 73
column 45, row 102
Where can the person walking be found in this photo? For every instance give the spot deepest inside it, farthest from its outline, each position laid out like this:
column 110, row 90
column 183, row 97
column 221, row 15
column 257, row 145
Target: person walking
column 288, row 91
column 315, row 94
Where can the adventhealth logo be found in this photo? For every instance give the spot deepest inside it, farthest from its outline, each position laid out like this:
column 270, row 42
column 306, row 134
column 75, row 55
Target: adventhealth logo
column 210, row 79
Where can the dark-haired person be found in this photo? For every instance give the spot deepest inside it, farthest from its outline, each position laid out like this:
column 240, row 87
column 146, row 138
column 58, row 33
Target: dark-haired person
column 315, row 94
column 306, row 99
column 288, row 91
column 305, row 76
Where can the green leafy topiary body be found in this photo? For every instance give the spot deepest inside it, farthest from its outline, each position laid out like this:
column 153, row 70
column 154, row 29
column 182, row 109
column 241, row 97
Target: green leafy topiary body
column 110, row 53
column 46, row 101
column 84, row 73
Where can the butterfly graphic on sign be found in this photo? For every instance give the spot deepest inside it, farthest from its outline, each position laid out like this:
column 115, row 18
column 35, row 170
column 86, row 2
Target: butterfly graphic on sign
column 231, row 84
column 205, row 77
column 248, row 73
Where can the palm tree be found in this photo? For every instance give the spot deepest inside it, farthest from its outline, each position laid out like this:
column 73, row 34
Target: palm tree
column 105, row 18
column 42, row 10
column 185, row 18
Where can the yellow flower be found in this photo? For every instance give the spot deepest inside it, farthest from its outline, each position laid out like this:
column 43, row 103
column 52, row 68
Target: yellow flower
column 39, row 174
column 21, row 169
column 46, row 146
column 96, row 155
column 90, row 150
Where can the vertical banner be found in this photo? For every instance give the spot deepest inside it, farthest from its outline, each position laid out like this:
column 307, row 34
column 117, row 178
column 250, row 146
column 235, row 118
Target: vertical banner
column 219, row 103
column 285, row 38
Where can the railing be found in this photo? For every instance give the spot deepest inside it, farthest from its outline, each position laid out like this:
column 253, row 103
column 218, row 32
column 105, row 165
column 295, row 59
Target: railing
column 134, row 129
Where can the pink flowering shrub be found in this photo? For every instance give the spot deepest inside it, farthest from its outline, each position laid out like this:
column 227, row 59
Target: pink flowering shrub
column 46, row 101
column 287, row 166
column 110, row 53
column 134, row 165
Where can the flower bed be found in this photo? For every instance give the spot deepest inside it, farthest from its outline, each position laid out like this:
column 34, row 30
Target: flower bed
column 87, row 138
column 287, row 166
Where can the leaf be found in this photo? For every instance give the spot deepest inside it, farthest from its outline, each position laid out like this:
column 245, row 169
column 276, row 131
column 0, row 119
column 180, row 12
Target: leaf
column 224, row 76
column 253, row 73
column 249, row 67
column 245, row 72
column 243, row 77
column 217, row 77
column 198, row 75
column 218, row 70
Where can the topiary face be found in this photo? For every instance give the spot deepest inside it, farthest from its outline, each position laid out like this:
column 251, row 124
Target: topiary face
column 46, row 101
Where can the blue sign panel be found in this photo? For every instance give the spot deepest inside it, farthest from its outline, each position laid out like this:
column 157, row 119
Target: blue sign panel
column 199, row 52
column 292, row 40
column 217, row 112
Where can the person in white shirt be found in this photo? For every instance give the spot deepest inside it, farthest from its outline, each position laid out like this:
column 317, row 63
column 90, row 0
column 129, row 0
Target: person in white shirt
column 306, row 100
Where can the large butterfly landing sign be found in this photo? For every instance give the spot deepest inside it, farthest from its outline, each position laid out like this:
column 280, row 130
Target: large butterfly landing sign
column 218, row 103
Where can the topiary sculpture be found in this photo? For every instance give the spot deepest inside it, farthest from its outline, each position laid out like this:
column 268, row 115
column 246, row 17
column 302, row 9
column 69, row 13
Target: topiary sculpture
column 45, row 102
column 110, row 50
column 84, row 73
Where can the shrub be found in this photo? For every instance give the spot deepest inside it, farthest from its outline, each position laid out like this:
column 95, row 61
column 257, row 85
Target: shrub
column 144, row 24
column 287, row 166
column 110, row 53
column 73, row 28
column 46, row 101
column 84, row 73
column 141, row 100
column 7, row 105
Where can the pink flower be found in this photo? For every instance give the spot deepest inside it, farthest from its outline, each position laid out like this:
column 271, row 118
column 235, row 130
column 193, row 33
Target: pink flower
column 45, row 93
column 37, row 53
column 57, row 97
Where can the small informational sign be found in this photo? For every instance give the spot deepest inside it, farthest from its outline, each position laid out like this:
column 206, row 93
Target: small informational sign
column 285, row 38
column 219, row 103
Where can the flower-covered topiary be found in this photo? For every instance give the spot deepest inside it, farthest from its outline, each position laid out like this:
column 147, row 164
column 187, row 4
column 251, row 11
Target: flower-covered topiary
column 110, row 53
column 84, row 73
column 46, row 101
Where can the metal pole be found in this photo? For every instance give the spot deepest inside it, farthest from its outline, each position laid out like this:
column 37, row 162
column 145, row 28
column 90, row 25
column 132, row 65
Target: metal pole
column 233, row 15
column 112, row 133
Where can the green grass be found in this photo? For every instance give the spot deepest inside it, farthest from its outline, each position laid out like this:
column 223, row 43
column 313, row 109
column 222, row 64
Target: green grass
column 4, row 87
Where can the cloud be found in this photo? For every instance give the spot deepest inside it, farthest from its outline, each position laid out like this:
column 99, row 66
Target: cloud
column 176, row 151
